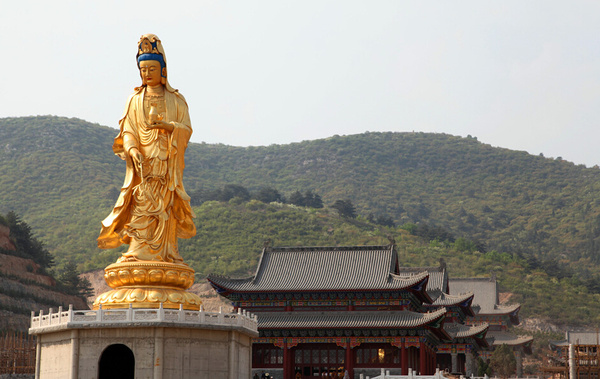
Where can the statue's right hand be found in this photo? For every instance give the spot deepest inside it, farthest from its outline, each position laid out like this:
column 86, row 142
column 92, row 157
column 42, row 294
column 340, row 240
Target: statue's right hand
column 137, row 157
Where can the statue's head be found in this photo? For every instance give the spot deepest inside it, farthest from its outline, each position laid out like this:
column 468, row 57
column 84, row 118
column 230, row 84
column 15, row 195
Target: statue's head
column 151, row 60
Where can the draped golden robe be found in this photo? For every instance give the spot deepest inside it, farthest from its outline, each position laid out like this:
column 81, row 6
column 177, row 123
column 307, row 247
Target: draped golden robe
column 153, row 210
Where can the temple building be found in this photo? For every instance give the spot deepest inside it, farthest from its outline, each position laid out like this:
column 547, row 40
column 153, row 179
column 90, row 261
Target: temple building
column 500, row 318
column 324, row 310
column 468, row 340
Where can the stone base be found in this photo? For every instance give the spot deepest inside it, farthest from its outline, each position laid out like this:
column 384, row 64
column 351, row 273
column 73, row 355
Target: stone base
column 143, row 344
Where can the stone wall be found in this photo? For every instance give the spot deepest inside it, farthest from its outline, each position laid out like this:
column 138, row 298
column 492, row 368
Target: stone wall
column 166, row 352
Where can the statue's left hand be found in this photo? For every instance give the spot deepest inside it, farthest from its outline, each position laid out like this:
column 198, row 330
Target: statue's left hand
column 161, row 125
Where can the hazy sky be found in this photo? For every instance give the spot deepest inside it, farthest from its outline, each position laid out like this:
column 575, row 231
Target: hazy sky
column 524, row 75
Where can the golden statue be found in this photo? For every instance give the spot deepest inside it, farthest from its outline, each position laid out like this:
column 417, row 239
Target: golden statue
column 153, row 210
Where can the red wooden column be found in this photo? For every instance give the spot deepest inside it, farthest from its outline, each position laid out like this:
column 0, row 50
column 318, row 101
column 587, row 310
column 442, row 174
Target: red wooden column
column 431, row 361
column 349, row 359
column 404, row 358
column 288, row 364
column 428, row 360
column 422, row 358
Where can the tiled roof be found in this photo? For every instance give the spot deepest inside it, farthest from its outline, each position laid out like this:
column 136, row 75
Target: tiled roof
column 463, row 331
column 579, row 338
column 438, row 278
column 301, row 269
column 347, row 320
column 447, row 300
column 507, row 338
column 485, row 293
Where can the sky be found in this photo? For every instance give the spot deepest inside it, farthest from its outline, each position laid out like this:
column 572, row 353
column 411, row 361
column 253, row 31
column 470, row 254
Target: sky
column 523, row 75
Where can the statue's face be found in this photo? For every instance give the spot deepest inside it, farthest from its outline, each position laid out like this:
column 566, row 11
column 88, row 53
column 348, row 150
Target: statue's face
column 150, row 72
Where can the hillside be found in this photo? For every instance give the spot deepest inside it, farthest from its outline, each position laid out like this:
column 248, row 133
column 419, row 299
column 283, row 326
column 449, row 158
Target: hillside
column 24, row 286
column 536, row 214
column 62, row 177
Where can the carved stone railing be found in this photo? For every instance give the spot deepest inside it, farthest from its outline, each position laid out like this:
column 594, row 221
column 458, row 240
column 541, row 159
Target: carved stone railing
column 141, row 317
column 411, row 375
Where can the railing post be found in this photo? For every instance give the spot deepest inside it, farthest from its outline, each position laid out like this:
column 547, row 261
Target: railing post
column 41, row 314
column 221, row 316
column 202, row 315
column 161, row 312
column 181, row 313
column 99, row 313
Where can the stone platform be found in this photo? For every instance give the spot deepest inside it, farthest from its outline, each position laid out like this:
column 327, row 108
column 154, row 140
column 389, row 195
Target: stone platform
column 143, row 344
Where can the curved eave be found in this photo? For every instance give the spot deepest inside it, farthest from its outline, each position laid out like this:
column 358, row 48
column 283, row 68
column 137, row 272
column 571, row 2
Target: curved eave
column 502, row 310
column 520, row 341
column 514, row 316
column 510, row 339
column 462, row 301
column 351, row 320
column 477, row 333
column 216, row 281
column 419, row 289
column 482, row 342
column 416, row 284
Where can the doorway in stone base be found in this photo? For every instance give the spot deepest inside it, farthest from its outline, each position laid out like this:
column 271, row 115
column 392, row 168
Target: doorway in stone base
column 116, row 362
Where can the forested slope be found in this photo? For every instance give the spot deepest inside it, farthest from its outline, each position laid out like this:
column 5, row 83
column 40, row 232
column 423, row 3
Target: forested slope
column 61, row 176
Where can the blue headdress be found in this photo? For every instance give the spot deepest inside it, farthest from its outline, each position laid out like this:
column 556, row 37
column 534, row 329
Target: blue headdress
column 150, row 49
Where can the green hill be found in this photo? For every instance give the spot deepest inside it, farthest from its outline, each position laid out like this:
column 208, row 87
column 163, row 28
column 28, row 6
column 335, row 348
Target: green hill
column 537, row 213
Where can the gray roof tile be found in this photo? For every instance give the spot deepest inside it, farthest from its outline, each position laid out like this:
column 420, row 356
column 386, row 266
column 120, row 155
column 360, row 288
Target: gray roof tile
column 507, row 338
column 438, row 278
column 447, row 300
column 485, row 291
column 462, row 331
column 324, row 268
column 345, row 320
column 579, row 338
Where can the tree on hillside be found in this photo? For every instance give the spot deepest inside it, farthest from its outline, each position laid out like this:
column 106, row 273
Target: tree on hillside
column 269, row 195
column 429, row 233
column 71, row 281
column 26, row 245
column 297, row 198
column 312, row 200
column 503, row 361
column 381, row 220
column 230, row 191
column 345, row 208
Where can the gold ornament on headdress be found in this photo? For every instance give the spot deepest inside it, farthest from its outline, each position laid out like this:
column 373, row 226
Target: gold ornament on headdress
column 148, row 46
